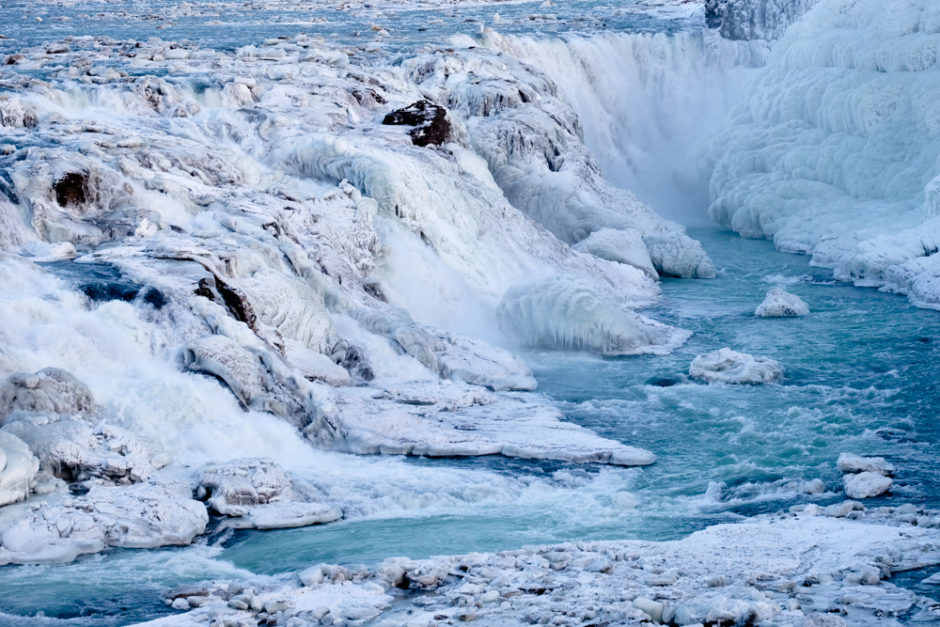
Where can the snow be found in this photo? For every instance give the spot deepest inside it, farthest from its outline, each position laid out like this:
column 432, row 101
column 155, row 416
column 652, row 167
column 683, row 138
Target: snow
column 729, row 366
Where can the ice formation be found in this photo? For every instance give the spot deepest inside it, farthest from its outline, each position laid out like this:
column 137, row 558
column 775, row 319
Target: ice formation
column 778, row 303
column 865, row 477
column 837, row 151
column 813, row 569
column 729, row 366
column 280, row 233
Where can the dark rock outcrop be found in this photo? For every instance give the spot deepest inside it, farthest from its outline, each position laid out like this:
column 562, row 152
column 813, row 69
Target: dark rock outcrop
column 72, row 189
column 428, row 119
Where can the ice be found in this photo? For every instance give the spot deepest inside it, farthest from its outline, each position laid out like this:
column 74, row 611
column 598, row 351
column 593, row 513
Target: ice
column 852, row 463
column 788, row 569
column 729, row 366
column 866, row 484
column 836, row 150
column 778, row 303
column 452, row 420
column 18, row 468
column 563, row 314
column 49, row 390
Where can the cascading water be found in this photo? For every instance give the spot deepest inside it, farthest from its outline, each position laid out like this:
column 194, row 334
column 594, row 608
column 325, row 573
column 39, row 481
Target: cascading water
column 267, row 271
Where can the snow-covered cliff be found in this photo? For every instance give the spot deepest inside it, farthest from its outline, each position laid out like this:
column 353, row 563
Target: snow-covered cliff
column 836, row 151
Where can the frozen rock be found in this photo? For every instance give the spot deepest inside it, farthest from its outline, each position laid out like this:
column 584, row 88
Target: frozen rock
column 754, row 19
column 564, row 315
column 18, row 468
column 253, row 375
column 852, row 463
column 728, row 366
column 229, row 487
column 781, row 304
column 866, row 484
column 620, row 245
column 140, row 516
column 458, row 420
column 49, row 390
column 75, row 450
column 258, row 494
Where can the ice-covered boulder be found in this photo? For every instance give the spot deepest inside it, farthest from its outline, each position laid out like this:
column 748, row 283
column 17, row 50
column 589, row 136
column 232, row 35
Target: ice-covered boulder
column 255, row 376
column 18, row 468
column 729, row 366
column 621, row 245
column 76, row 450
column 779, row 303
column 144, row 515
column 866, row 484
column 258, row 493
column 852, row 463
column 562, row 314
column 49, row 390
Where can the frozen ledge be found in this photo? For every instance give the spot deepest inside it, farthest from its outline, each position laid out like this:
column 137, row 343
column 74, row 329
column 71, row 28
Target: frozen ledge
column 798, row 569
column 455, row 420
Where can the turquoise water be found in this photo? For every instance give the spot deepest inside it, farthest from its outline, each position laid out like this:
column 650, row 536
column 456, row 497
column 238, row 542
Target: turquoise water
column 228, row 25
column 859, row 378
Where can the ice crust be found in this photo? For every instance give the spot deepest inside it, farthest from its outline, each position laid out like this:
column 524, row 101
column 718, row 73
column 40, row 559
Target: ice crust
column 805, row 569
column 836, row 153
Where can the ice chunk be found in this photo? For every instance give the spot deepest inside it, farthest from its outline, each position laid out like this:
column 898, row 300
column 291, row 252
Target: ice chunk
column 728, row 366
column 562, row 314
column 781, row 304
column 18, row 468
column 852, row 463
column 867, row 484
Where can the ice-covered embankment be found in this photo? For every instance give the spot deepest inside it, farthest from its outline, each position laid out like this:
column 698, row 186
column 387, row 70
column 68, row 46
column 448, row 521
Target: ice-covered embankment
column 812, row 568
column 836, row 152
column 241, row 251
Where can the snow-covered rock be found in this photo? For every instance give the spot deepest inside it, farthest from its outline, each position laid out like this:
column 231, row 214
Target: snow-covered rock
column 18, row 468
column 76, row 450
column 258, row 493
column 852, row 463
column 778, row 303
column 49, row 390
column 729, row 366
column 620, row 245
column 866, row 484
column 139, row 516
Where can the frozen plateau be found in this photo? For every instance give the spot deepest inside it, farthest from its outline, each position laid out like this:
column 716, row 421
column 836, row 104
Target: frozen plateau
column 423, row 313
